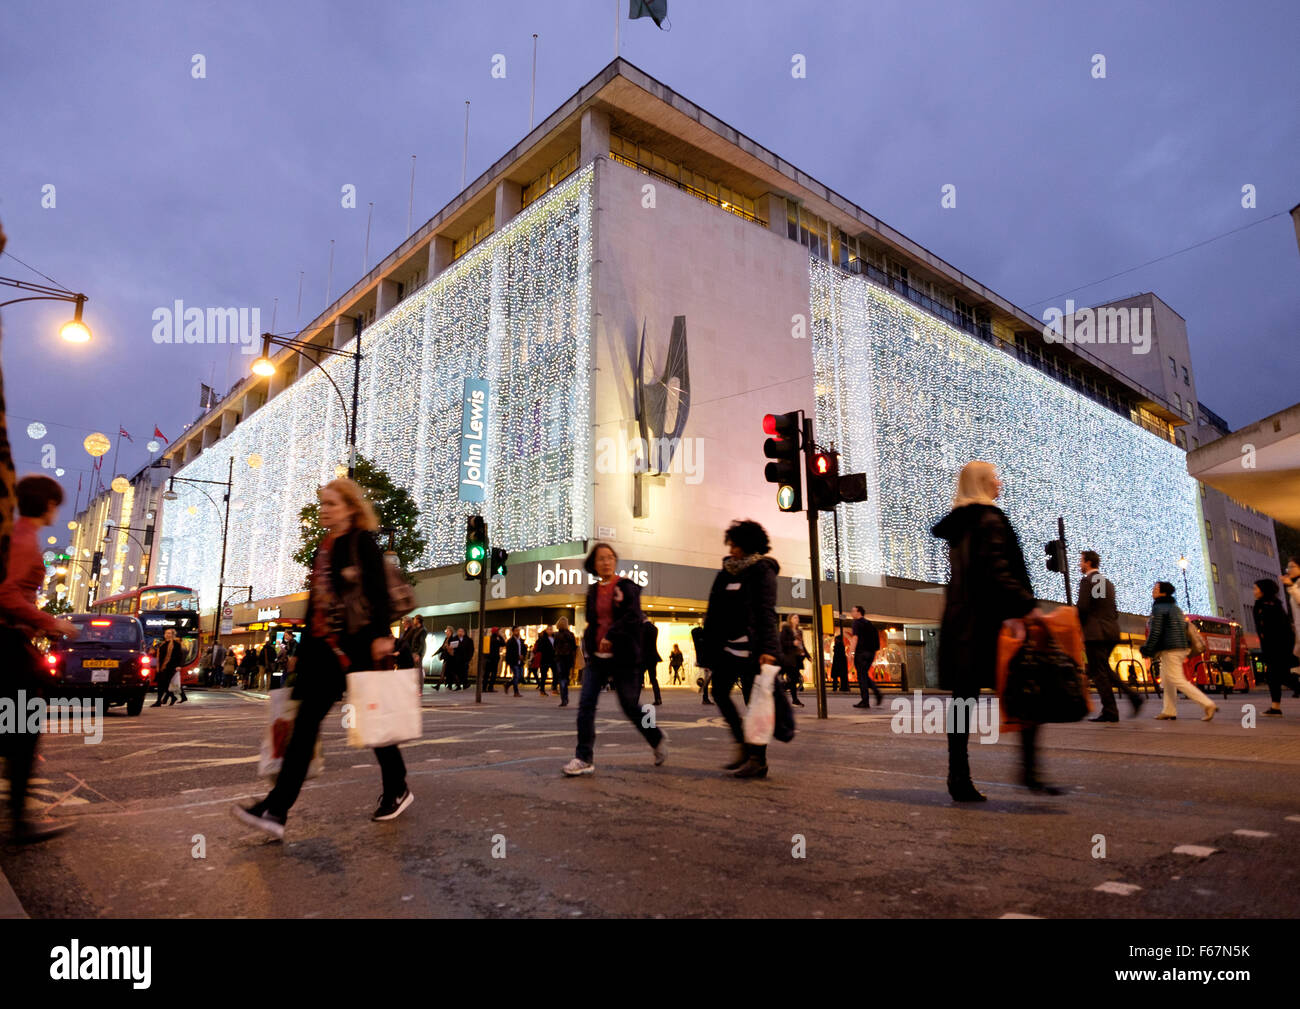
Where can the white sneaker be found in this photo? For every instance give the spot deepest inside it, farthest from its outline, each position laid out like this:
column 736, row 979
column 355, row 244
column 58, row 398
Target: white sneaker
column 576, row 767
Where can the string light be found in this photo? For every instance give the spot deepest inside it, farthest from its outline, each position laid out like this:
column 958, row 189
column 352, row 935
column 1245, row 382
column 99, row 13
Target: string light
column 909, row 399
column 515, row 310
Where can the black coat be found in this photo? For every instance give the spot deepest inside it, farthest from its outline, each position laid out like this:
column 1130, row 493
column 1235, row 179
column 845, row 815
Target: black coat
column 866, row 639
column 516, row 650
column 625, row 632
column 1276, row 632
column 1097, row 612
column 742, row 605
column 989, row 584
column 650, row 657
column 792, row 650
column 356, row 572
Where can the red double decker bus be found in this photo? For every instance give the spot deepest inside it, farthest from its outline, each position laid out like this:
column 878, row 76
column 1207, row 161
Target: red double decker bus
column 159, row 607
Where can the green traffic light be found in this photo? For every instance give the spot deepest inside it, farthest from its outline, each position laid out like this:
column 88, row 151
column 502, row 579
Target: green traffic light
column 475, row 551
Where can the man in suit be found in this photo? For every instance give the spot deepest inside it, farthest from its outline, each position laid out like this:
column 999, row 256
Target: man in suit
column 866, row 642
column 496, row 644
column 650, row 657
column 544, row 647
column 1100, row 622
column 464, row 657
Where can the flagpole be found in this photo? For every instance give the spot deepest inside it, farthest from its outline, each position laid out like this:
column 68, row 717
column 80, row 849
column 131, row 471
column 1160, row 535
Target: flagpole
column 464, row 154
column 532, row 94
column 616, row 20
column 118, row 449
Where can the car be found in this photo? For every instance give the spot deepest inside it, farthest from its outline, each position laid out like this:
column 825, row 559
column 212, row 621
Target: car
column 107, row 659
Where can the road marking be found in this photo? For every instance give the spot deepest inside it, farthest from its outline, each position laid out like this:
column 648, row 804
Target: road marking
column 1017, row 914
column 1200, row 851
column 1294, row 819
column 1117, row 888
column 1253, row 833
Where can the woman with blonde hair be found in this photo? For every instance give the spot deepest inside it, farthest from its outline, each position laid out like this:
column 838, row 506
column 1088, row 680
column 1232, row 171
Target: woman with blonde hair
column 347, row 629
column 989, row 583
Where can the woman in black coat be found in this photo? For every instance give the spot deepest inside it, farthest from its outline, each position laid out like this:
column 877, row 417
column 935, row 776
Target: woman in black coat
column 989, row 584
column 612, row 644
column 347, row 629
column 1276, row 640
column 740, row 634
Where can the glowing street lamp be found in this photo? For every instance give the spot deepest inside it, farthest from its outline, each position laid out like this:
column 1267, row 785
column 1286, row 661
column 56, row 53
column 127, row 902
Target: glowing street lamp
column 73, row 331
column 1187, row 596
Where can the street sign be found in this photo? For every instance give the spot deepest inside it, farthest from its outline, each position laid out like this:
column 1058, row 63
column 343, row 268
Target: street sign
column 227, row 620
column 473, row 441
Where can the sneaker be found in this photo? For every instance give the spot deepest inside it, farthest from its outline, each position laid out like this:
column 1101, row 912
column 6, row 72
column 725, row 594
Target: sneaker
column 576, row 767
column 1272, row 711
column 257, row 816
column 36, row 831
column 661, row 751
column 391, row 809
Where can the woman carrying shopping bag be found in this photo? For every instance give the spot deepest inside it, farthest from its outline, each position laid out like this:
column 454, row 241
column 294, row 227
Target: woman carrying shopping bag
column 347, row 629
column 740, row 644
column 613, row 643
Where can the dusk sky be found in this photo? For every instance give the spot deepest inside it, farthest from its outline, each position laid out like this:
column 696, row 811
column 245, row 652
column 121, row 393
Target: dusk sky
column 218, row 191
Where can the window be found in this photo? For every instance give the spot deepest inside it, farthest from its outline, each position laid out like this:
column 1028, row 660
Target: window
column 1173, row 367
column 467, row 241
column 1178, row 400
column 1214, row 573
column 1209, row 530
column 1186, row 378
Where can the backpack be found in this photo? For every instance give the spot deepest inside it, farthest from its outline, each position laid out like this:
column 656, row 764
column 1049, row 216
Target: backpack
column 1195, row 639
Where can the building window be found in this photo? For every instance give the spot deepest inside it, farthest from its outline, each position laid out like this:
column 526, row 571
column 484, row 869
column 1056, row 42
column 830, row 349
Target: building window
column 1214, row 573
column 645, row 160
column 1209, row 530
column 1173, row 367
column 467, row 241
column 550, row 178
column 1186, row 378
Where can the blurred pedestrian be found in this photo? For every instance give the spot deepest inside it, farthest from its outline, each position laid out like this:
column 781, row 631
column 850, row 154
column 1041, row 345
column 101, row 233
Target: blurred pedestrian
column 229, row 667
column 1291, row 579
column 1277, row 640
column 675, row 662
column 650, row 657
column 1100, row 620
column 464, row 657
column 168, row 659
column 347, row 630
column 38, row 499
column 543, row 657
column 989, row 584
column 566, row 648
column 840, row 663
column 701, row 681
column 447, row 653
column 516, row 652
column 740, row 633
column 1167, row 646
column 793, row 654
column 612, row 641
column 496, row 645
column 866, row 642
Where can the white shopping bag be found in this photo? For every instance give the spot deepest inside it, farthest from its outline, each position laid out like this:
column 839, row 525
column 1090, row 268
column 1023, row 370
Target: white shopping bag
column 175, row 684
column 385, row 707
column 279, row 729
column 760, row 712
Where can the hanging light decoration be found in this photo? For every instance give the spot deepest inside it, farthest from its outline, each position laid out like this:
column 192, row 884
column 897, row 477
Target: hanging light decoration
column 97, row 444
column 36, row 430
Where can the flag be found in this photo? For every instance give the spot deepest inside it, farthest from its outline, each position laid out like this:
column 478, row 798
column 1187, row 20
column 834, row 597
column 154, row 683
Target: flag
column 121, row 433
column 657, row 9
column 159, row 434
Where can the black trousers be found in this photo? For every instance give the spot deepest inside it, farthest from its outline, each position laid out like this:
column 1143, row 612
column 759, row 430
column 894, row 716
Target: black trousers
column 653, row 672
column 728, row 671
column 312, row 710
column 959, row 751
column 1099, row 672
column 862, row 663
column 543, row 667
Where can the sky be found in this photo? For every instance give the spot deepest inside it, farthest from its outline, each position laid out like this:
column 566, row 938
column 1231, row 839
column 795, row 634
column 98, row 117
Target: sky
column 221, row 189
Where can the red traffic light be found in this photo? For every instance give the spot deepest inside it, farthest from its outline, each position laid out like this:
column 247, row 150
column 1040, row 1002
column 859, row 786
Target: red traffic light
column 821, row 463
column 769, row 424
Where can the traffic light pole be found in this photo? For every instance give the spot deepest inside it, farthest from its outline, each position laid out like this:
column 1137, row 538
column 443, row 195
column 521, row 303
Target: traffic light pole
column 479, row 651
column 814, row 553
column 1065, row 566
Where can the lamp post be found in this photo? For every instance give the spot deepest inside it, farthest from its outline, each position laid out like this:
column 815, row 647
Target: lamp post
column 265, row 367
column 1187, row 596
column 170, row 495
column 74, row 331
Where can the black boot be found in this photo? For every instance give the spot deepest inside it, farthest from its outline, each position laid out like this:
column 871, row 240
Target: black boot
column 960, row 787
column 1029, row 753
column 742, row 755
column 755, row 766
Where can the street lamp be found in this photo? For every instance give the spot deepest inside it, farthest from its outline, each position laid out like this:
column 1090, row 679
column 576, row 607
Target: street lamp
column 1187, row 596
column 265, row 368
column 74, row 331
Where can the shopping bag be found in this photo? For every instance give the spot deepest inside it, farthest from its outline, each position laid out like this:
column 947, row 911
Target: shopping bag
column 1040, row 673
column 279, row 729
column 386, row 707
column 760, row 712
column 175, row 684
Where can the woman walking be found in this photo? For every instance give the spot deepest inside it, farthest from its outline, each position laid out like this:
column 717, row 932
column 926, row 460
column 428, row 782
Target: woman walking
column 740, row 633
column 988, row 585
column 1276, row 640
column 612, row 642
column 675, row 662
column 347, row 629
column 1167, row 646
column 566, row 647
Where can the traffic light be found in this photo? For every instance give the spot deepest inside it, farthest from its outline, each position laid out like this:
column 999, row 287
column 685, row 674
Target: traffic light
column 476, row 546
column 823, row 480
column 1055, row 556
column 95, row 562
column 783, row 446
column 499, row 558
column 853, row 487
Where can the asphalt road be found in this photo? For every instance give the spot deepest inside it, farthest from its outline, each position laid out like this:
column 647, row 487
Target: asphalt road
column 864, row 805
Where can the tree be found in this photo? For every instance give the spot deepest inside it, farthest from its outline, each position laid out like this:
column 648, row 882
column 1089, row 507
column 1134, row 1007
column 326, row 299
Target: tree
column 57, row 606
column 397, row 511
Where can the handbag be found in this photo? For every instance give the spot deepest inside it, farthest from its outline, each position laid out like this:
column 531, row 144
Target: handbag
column 283, row 710
column 1044, row 684
column 386, row 707
column 1195, row 639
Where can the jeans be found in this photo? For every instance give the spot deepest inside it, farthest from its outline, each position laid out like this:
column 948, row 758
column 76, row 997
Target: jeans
column 563, row 667
column 628, row 684
column 1173, row 680
column 862, row 663
column 17, row 673
column 1099, row 672
column 302, row 746
column 517, row 668
column 544, row 666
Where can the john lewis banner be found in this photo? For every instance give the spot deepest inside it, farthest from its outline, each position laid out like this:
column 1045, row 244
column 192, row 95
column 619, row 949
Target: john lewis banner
column 473, row 440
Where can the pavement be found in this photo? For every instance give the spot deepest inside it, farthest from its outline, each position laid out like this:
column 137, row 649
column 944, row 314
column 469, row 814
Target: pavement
column 1159, row 819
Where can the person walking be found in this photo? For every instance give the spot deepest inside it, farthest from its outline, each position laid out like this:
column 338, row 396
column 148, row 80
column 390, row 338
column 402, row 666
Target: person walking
column 1166, row 645
column 418, row 642
column 566, row 648
column 740, row 634
column 464, row 657
column 989, row 584
column 1291, row 579
column 229, row 667
column 516, row 652
column 1100, row 620
column 866, row 642
column 612, row 641
column 219, row 652
column 492, row 668
column 702, row 681
column 205, row 667
column 1277, row 640
column 38, row 499
column 247, row 667
column 447, row 653
column 544, row 657
column 675, row 662
column 793, row 653
column 347, row 629
column 650, row 657
column 168, row 658
column 839, row 664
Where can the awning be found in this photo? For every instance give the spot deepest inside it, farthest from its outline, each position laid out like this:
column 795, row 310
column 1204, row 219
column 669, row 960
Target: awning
column 1258, row 466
